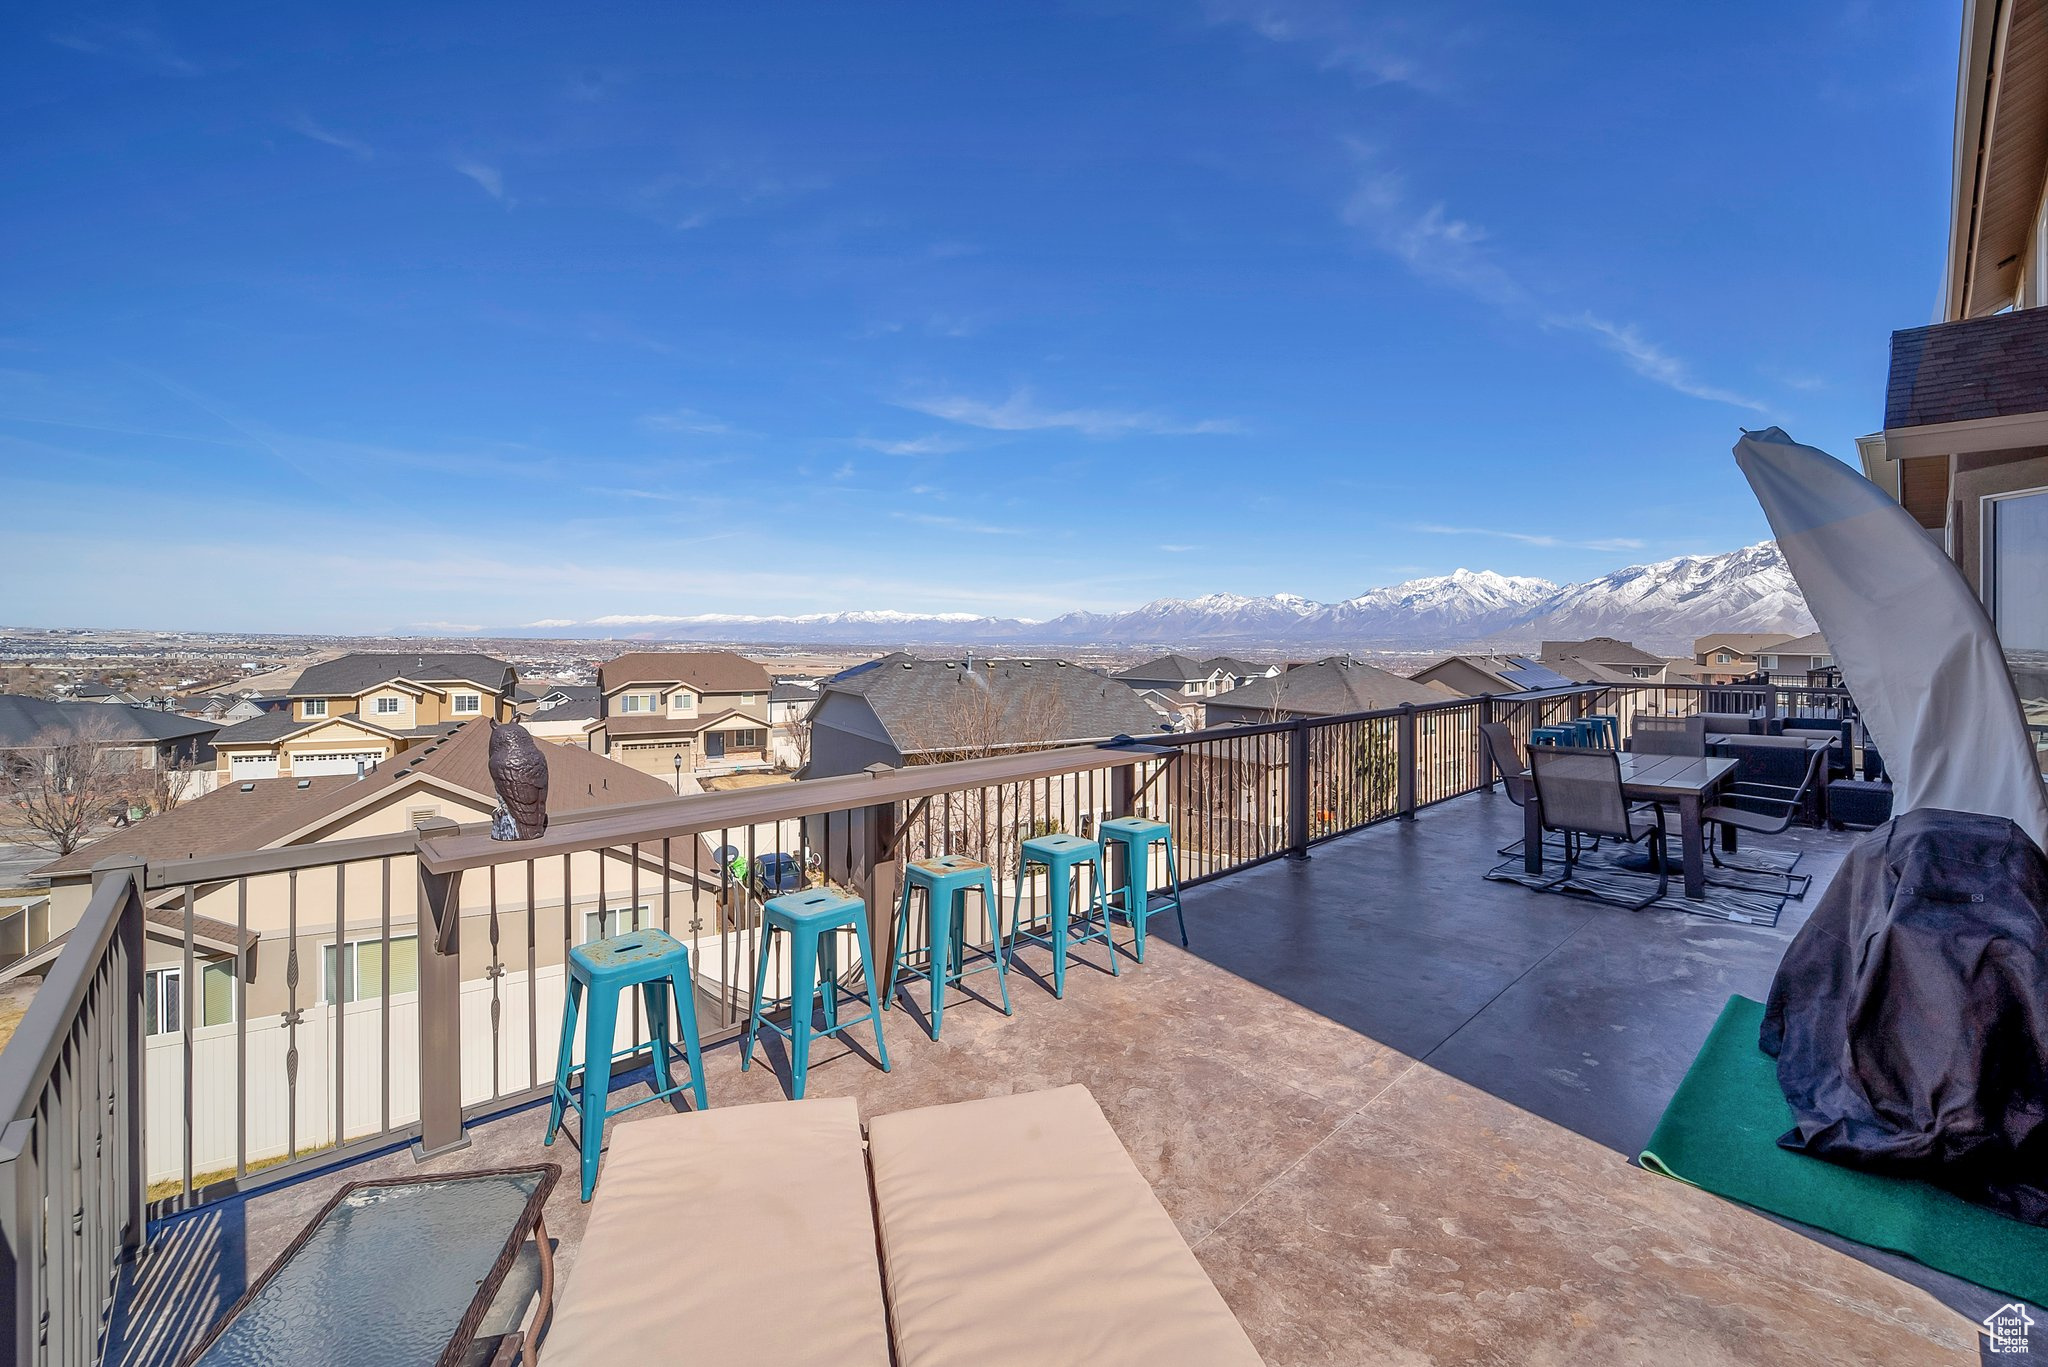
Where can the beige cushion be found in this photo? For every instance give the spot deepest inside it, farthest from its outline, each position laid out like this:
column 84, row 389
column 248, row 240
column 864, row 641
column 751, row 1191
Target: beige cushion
column 735, row 1235
column 1016, row 1230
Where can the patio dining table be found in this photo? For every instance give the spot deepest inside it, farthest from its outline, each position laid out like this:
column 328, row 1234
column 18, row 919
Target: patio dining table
column 1680, row 780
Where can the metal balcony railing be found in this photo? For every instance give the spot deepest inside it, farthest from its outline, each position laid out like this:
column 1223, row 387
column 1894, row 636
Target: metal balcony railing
column 333, row 999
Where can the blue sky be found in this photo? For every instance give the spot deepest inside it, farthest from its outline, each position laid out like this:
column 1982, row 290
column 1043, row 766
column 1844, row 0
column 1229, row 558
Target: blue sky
column 365, row 317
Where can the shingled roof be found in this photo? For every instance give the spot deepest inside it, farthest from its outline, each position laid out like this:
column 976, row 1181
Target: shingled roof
column 259, row 813
column 914, row 700
column 349, row 675
column 26, row 721
column 707, row 671
column 1327, row 688
column 1979, row 368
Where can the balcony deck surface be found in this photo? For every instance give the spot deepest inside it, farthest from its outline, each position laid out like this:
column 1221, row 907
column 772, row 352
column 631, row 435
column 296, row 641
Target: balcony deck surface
column 1389, row 1104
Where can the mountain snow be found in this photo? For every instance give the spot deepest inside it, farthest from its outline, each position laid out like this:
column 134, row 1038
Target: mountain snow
column 1660, row 606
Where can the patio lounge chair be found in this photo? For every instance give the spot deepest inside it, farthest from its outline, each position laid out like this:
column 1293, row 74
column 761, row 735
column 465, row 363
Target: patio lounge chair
column 1014, row 1230
column 1581, row 794
column 1764, row 809
column 1669, row 736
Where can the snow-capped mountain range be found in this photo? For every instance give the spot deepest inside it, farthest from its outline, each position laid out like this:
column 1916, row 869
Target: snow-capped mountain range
column 1662, row 606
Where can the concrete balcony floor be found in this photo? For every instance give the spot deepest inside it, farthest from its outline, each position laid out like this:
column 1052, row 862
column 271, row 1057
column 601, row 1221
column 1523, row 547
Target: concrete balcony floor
column 1391, row 1106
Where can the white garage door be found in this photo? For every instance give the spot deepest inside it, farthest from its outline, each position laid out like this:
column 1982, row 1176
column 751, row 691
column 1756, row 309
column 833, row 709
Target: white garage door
column 252, row 766
column 334, row 762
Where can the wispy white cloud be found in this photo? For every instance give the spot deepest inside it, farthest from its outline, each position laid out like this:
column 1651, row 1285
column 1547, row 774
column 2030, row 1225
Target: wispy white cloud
column 1605, row 543
column 933, row 445
column 1172, row 549
column 135, row 44
column 1430, row 240
column 1438, row 246
column 1336, row 37
column 305, row 127
column 489, row 177
column 651, row 495
column 958, row 524
column 1654, row 363
column 690, row 420
column 1020, row 413
column 552, row 622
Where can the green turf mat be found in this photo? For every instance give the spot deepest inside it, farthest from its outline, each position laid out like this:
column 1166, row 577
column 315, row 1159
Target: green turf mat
column 1721, row 1133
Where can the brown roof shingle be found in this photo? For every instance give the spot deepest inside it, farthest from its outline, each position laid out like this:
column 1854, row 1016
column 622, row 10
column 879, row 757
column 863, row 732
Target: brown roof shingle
column 1977, row 368
column 273, row 810
column 708, row 671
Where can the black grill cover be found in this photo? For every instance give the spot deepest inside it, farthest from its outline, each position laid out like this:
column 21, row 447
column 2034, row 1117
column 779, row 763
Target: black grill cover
column 1910, row 1015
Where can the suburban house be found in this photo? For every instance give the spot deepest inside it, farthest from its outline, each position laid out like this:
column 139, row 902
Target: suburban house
column 1473, row 676
column 532, row 701
column 445, row 779
column 1730, row 656
column 790, row 700
column 1964, row 446
column 1603, row 660
column 1327, row 688
column 1192, row 678
column 902, row 710
column 1796, row 659
column 99, row 692
column 707, row 709
column 143, row 736
column 223, row 709
column 569, row 723
column 352, row 713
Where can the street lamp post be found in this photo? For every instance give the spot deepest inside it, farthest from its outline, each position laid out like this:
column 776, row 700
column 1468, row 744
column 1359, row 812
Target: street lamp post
column 679, row 773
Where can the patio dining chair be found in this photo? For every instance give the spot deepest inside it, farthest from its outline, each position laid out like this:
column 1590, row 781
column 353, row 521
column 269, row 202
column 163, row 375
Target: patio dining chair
column 1581, row 794
column 1514, row 772
column 1669, row 736
column 1763, row 809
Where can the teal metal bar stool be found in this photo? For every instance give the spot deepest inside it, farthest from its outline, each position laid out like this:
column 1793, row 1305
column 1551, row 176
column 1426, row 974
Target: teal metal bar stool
column 1136, row 835
column 1063, row 857
column 660, row 967
column 813, row 920
column 946, row 881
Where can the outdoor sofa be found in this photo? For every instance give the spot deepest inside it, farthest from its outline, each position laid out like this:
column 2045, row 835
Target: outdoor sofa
column 1013, row 1230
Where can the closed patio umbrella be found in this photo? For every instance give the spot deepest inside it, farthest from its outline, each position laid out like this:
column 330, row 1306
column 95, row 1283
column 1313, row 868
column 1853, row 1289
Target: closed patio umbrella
column 1915, row 647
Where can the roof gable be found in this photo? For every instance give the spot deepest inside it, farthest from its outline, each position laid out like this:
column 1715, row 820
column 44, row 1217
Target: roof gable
column 707, row 671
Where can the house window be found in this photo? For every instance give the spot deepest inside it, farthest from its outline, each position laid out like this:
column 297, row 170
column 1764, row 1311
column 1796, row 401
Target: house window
column 1722, row 658
column 743, row 740
column 1769, row 663
column 599, row 925
column 2015, row 567
column 356, row 969
column 746, row 700
column 387, row 707
column 316, row 707
column 468, row 702
column 163, row 998
column 633, row 702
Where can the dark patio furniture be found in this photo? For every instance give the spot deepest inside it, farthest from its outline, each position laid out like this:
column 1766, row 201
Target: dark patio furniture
column 393, row 1272
column 1859, row 802
column 1579, row 792
column 1668, row 736
column 1839, row 728
column 1764, row 808
column 1775, row 765
column 1513, row 770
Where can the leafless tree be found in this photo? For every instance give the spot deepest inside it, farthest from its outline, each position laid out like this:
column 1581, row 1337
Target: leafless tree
column 65, row 783
column 974, row 721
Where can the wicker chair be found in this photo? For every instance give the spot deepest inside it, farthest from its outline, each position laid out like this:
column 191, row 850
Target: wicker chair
column 1581, row 794
column 1669, row 736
